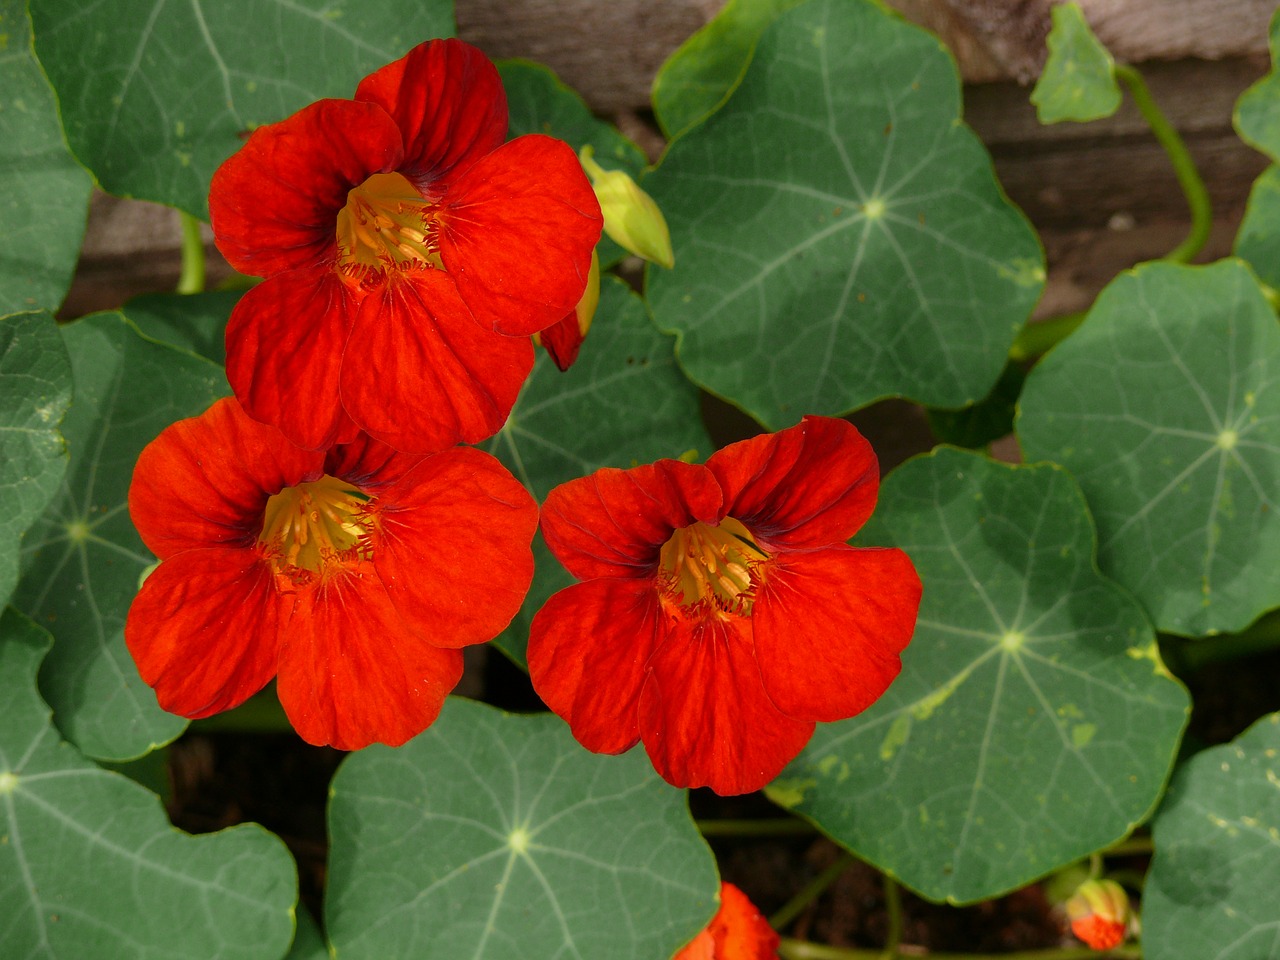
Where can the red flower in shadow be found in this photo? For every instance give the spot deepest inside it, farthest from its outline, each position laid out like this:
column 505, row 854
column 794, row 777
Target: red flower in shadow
column 408, row 254
column 736, row 932
column 351, row 575
column 722, row 611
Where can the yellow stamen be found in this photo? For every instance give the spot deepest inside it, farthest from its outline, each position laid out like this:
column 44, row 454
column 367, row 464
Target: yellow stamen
column 712, row 569
column 317, row 528
column 386, row 225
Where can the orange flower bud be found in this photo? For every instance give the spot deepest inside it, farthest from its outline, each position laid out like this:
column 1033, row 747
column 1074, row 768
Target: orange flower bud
column 1099, row 913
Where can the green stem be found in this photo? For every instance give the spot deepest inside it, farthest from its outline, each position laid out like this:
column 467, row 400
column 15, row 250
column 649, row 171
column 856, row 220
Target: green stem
column 767, row 827
column 790, row 949
column 814, row 889
column 192, row 279
column 893, row 907
column 1035, row 339
column 1129, row 847
column 1188, row 176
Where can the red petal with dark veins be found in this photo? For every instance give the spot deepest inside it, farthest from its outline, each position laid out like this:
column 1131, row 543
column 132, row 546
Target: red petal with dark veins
column 205, row 629
column 368, row 463
column 562, row 341
column 807, row 486
column 421, row 375
column 517, row 230
column 705, row 718
column 830, row 625
column 447, row 99
column 589, row 648
column 204, row 481
column 614, row 522
column 274, row 202
column 285, row 343
column 453, row 546
column 352, row 672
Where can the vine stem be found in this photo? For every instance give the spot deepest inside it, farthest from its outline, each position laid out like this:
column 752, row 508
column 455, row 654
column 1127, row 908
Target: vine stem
column 193, row 275
column 1183, row 166
column 790, row 949
column 814, row 889
column 893, row 907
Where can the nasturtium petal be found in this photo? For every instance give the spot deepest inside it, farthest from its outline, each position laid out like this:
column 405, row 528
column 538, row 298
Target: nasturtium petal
column 623, row 402
column 1165, row 405
column 44, row 193
column 1079, row 78
column 839, row 241
column 90, row 866
column 35, row 391
column 1210, row 893
column 155, row 96
column 538, row 102
column 1258, row 239
column 82, row 559
column 1257, row 112
column 700, row 74
column 497, row 837
column 1032, row 723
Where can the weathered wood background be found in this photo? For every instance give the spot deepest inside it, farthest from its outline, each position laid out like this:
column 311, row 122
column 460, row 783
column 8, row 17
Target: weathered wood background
column 1102, row 194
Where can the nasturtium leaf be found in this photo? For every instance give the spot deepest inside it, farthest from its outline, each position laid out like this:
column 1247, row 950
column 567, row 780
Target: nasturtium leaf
column 497, row 837
column 308, row 944
column 1165, row 406
column 623, row 403
column 44, row 193
column 1258, row 239
column 1211, row 891
column 699, row 75
column 1079, row 77
column 839, row 234
column 985, row 421
column 1257, row 113
column 82, row 559
column 1033, row 722
column 538, row 102
column 193, row 321
column 35, row 391
column 155, row 96
column 90, row 866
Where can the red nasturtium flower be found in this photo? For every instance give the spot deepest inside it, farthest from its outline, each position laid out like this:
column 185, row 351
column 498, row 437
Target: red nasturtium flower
column 722, row 611
column 352, row 575
column 408, row 254
column 1099, row 914
column 736, row 932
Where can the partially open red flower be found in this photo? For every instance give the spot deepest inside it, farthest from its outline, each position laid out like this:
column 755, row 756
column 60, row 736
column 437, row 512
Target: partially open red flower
column 352, row 575
column 408, row 254
column 722, row 611
column 736, row 932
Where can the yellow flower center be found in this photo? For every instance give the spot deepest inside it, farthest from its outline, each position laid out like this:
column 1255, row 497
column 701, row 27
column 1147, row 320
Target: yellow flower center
column 715, row 568
column 385, row 226
column 316, row 528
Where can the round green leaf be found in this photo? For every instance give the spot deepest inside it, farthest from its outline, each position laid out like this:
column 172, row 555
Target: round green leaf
column 35, row 391
column 497, row 836
column 90, row 866
column 1033, row 722
column 82, row 559
column 624, row 402
column 1211, row 892
column 1257, row 113
column 839, row 234
column 193, row 321
column 44, row 193
column 699, row 75
column 1258, row 239
column 1164, row 406
column 155, row 96
column 1079, row 78
column 538, row 102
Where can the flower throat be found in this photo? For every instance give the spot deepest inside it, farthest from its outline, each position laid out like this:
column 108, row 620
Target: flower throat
column 713, row 567
column 312, row 528
column 385, row 226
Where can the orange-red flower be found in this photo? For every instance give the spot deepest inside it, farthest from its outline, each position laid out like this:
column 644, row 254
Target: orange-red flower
column 352, row 575
column 1099, row 914
column 736, row 932
column 408, row 254
column 722, row 611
